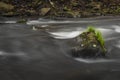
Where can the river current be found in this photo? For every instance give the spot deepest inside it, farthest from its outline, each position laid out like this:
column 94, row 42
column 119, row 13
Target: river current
column 27, row 53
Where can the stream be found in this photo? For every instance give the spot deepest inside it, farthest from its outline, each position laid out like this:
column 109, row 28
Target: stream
column 27, row 53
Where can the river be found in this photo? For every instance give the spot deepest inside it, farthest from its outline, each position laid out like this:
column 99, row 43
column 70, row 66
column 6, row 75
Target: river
column 43, row 54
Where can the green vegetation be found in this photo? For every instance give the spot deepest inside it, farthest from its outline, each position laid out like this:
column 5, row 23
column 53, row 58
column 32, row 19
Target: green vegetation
column 101, row 40
column 98, row 36
column 91, row 29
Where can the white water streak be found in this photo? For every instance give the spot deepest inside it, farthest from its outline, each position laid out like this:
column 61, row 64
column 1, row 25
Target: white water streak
column 65, row 35
column 12, row 54
column 39, row 21
column 94, row 60
column 9, row 22
column 36, row 22
column 116, row 28
column 75, row 33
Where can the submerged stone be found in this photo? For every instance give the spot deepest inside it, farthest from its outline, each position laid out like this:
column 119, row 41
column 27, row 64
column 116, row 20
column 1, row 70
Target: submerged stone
column 89, row 43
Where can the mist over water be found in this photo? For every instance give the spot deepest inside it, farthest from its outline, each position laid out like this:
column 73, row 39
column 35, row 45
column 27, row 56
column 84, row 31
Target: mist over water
column 27, row 54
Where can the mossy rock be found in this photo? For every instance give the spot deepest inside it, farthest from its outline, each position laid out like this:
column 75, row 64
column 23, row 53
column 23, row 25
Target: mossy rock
column 89, row 43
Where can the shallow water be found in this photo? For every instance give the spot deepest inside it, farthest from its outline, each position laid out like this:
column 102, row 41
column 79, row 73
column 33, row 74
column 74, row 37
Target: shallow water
column 28, row 54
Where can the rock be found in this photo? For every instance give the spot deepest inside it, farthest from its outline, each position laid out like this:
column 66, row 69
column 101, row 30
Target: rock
column 44, row 11
column 6, row 7
column 74, row 14
column 89, row 43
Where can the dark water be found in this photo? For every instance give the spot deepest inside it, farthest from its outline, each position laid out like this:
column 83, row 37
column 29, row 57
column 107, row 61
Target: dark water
column 27, row 54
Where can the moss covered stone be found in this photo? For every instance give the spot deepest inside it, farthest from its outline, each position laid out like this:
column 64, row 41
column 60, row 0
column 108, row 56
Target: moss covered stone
column 90, row 42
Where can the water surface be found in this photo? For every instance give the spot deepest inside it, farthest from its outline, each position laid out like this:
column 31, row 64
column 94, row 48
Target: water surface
column 28, row 54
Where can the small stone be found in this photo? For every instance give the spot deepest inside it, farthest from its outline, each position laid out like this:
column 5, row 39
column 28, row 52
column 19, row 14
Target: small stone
column 44, row 11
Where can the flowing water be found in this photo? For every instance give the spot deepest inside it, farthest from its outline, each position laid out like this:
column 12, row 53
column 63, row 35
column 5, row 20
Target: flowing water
column 43, row 54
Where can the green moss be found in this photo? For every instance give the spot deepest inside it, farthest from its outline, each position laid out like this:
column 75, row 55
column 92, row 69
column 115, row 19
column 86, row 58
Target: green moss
column 98, row 35
column 100, row 39
column 91, row 29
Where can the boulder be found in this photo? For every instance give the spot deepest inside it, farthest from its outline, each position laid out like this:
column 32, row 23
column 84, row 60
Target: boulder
column 89, row 43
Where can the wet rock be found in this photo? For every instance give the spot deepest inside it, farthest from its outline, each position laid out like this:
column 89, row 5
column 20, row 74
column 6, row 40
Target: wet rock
column 89, row 44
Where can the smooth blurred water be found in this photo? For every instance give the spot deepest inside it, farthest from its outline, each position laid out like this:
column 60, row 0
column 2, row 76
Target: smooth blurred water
column 28, row 54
